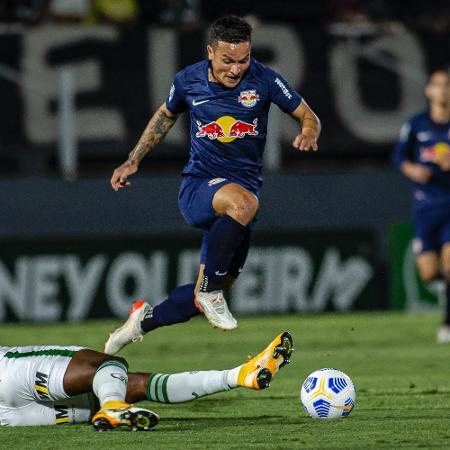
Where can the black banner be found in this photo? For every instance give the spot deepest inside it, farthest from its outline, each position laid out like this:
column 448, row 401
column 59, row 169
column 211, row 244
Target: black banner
column 47, row 280
column 362, row 87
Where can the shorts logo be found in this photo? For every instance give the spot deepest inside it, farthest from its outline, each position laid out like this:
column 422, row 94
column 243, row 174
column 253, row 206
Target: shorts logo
column 248, row 98
column 216, row 181
column 41, row 385
column 61, row 414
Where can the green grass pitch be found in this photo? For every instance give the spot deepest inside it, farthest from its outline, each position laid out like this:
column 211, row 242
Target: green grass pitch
column 402, row 378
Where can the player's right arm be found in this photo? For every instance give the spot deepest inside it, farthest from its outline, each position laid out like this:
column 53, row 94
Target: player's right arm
column 155, row 131
column 416, row 172
column 403, row 157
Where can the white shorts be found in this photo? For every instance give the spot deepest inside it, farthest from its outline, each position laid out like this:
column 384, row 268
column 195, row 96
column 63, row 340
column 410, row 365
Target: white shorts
column 32, row 387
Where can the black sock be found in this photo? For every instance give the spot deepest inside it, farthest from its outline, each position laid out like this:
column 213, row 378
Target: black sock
column 179, row 307
column 224, row 238
column 209, row 285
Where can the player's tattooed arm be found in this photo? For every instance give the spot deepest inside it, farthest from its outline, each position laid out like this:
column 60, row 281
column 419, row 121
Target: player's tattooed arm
column 310, row 127
column 155, row 131
column 157, row 128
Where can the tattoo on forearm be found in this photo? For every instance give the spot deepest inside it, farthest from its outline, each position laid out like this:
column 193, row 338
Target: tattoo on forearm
column 153, row 134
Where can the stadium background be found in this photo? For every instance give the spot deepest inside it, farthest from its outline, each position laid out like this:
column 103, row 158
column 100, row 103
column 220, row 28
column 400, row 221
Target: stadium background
column 333, row 226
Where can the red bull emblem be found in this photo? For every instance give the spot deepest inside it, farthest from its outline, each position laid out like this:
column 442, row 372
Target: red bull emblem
column 227, row 129
column 248, row 98
column 434, row 153
column 212, row 129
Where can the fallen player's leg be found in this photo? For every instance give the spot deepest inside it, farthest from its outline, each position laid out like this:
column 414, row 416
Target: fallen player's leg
column 61, row 385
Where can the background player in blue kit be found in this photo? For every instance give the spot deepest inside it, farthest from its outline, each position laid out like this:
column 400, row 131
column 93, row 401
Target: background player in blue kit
column 423, row 155
column 228, row 96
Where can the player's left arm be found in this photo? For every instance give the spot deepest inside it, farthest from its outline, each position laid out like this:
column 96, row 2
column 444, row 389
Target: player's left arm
column 310, row 128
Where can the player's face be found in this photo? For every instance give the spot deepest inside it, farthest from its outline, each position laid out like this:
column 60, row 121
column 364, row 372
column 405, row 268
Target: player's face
column 229, row 62
column 438, row 88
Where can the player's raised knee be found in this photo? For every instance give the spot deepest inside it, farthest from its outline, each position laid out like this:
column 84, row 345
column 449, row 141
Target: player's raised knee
column 427, row 276
column 446, row 273
column 243, row 208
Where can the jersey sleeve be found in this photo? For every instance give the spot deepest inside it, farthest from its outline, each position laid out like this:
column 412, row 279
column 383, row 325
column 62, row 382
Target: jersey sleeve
column 175, row 102
column 281, row 93
column 404, row 147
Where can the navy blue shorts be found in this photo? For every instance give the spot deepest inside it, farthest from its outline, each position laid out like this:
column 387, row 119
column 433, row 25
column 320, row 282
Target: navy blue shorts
column 195, row 201
column 431, row 228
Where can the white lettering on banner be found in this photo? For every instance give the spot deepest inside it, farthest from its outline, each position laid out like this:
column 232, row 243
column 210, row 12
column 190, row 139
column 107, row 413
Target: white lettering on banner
column 279, row 279
column 340, row 281
column 161, row 43
column 375, row 125
column 246, row 295
column 188, row 262
column 44, row 302
column 296, row 269
column 148, row 279
column 288, row 58
column 275, row 279
column 287, row 55
column 40, row 122
column 157, row 276
column 13, row 292
column 82, row 284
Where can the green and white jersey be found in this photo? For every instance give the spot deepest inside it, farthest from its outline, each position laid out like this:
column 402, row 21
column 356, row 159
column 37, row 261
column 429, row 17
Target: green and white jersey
column 32, row 387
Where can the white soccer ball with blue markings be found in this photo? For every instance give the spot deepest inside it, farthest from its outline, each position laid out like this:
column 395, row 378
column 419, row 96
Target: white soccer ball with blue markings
column 328, row 394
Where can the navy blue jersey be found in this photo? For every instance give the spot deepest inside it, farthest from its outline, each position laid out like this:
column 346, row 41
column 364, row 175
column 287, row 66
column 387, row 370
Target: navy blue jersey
column 229, row 125
column 423, row 141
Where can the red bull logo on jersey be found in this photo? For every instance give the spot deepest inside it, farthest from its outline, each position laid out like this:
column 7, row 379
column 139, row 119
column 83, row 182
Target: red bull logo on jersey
column 227, row 129
column 434, row 153
column 248, row 98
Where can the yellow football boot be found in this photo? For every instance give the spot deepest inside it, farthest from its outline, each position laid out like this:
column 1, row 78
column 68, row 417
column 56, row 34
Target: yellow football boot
column 120, row 414
column 258, row 372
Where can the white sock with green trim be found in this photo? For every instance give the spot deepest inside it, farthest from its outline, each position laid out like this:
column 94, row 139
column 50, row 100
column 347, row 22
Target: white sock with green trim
column 186, row 386
column 110, row 382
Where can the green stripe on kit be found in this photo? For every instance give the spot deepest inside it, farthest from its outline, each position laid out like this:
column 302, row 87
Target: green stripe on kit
column 157, row 388
column 149, row 386
column 112, row 362
column 47, row 352
column 164, row 389
column 157, row 380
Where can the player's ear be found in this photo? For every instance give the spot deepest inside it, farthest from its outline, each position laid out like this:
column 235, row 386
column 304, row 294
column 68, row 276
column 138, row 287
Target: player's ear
column 210, row 52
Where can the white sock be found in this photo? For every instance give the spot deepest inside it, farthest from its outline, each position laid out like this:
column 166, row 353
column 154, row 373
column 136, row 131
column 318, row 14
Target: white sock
column 110, row 382
column 232, row 376
column 438, row 288
column 186, row 386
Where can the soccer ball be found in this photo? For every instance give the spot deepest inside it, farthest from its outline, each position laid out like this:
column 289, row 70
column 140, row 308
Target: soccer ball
column 328, row 394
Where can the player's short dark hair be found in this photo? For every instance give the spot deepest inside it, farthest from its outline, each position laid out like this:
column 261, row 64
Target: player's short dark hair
column 231, row 29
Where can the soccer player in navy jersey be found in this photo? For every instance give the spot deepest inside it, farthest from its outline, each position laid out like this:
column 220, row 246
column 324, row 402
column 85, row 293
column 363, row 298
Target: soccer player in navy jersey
column 423, row 155
column 228, row 97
